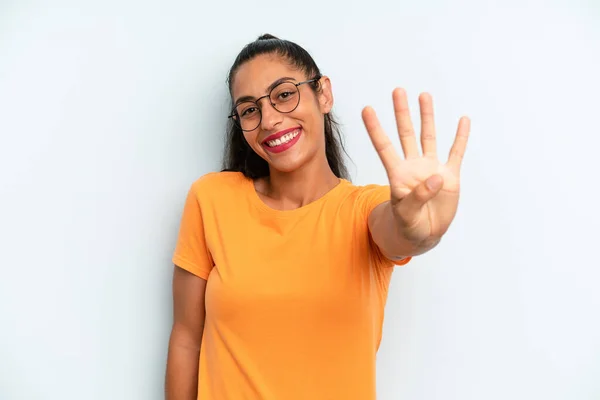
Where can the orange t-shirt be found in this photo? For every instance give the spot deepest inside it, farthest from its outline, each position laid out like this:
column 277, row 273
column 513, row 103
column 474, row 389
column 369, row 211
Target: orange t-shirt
column 294, row 299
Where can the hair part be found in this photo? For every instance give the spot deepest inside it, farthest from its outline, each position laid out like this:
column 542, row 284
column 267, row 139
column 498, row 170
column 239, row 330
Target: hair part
column 238, row 155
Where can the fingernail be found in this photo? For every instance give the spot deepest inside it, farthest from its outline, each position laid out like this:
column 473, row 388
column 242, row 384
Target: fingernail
column 434, row 182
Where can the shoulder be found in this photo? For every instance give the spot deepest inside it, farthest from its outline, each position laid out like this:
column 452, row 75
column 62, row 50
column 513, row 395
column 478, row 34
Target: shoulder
column 362, row 192
column 219, row 181
column 215, row 185
column 365, row 198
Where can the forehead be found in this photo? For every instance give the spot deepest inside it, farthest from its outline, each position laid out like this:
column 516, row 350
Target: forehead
column 254, row 76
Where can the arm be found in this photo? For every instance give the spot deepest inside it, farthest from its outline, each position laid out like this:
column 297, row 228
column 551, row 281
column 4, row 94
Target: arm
column 186, row 336
column 388, row 236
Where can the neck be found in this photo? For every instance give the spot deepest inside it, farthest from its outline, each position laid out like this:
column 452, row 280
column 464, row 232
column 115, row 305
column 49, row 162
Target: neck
column 290, row 190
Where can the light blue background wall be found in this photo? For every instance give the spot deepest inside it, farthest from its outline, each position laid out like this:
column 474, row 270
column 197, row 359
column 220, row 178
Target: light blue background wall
column 109, row 110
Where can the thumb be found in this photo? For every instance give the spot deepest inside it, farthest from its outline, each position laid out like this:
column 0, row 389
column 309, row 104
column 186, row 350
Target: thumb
column 409, row 208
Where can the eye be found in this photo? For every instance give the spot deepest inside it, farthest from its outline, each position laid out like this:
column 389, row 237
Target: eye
column 248, row 112
column 284, row 95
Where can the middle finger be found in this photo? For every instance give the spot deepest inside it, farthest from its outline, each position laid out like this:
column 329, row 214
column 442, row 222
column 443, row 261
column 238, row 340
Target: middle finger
column 406, row 131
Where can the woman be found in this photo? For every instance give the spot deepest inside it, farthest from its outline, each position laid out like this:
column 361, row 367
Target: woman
column 283, row 265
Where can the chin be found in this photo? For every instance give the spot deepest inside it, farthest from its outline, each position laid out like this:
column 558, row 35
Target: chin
column 286, row 167
column 291, row 160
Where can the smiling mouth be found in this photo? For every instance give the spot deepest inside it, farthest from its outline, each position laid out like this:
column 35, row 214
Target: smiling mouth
column 283, row 139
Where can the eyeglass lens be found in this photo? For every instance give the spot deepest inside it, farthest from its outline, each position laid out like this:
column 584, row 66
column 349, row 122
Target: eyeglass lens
column 283, row 97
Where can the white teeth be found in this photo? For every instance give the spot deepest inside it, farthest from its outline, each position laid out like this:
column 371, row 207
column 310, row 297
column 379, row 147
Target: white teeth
column 284, row 139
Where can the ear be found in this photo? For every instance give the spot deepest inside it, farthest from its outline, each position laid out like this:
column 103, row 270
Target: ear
column 325, row 95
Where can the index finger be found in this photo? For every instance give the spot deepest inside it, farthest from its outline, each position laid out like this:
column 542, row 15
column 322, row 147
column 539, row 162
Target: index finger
column 380, row 140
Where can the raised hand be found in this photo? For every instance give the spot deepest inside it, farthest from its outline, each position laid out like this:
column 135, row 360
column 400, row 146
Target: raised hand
column 424, row 191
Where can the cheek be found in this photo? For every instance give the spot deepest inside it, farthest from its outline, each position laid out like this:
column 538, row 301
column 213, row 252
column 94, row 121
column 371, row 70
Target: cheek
column 310, row 114
column 251, row 140
column 251, row 137
column 313, row 117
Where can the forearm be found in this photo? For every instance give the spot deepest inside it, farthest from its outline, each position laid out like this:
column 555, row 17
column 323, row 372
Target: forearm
column 182, row 368
column 387, row 234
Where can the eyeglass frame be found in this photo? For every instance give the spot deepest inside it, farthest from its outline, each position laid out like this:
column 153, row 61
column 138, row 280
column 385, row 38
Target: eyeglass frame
column 234, row 113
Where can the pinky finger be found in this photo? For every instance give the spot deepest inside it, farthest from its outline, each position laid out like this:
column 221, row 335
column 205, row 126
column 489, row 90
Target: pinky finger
column 457, row 152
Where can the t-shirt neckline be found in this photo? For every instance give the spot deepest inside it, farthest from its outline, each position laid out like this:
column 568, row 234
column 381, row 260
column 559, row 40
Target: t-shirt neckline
column 261, row 205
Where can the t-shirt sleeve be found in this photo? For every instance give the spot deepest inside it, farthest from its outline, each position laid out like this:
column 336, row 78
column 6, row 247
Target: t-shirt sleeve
column 371, row 197
column 191, row 251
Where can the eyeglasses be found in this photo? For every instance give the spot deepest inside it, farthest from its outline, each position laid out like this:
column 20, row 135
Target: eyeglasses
column 284, row 98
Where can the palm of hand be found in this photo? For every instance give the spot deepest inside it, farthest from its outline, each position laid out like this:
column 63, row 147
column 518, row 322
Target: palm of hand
column 422, row 213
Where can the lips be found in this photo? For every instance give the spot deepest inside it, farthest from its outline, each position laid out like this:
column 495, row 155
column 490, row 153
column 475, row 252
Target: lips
column 282, row 140
column 279, row 134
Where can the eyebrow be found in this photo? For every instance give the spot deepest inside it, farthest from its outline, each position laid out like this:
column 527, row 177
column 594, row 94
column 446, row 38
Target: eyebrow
column 269, row 88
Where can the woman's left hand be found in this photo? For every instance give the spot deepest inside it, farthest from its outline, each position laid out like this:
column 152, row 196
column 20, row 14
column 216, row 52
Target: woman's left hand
column 424, row 191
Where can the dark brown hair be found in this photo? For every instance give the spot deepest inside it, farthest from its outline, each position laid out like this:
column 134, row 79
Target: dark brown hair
column 239, row 156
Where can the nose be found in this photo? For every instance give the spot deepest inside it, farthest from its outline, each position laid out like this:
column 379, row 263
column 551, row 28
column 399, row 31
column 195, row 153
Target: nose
column 270, row 116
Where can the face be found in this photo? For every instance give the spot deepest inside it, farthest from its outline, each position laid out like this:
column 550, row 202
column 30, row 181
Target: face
column 287, row 141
